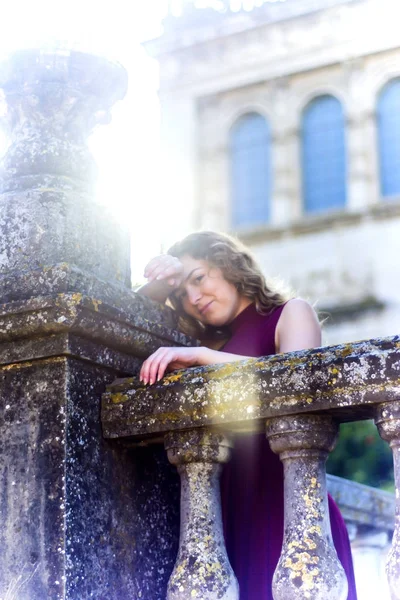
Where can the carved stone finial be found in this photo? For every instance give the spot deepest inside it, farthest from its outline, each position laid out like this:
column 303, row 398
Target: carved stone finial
column 202, row 568
column 54, row 100
column 53, row 237
column 308, row 567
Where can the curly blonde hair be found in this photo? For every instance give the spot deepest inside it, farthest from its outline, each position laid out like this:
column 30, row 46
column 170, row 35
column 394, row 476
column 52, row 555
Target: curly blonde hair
column 237, row 264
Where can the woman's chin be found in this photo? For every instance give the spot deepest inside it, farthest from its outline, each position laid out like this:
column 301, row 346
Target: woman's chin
column 213, row 321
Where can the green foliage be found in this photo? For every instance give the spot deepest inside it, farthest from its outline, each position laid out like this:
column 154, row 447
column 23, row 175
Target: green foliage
column 362, row 456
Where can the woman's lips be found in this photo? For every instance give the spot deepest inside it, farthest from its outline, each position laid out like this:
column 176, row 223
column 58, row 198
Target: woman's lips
column 205, row 308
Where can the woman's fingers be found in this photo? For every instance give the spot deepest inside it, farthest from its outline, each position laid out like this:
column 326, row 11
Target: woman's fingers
column 154, row 367
column 162, row 267
column 152, row 264
column 165, row 272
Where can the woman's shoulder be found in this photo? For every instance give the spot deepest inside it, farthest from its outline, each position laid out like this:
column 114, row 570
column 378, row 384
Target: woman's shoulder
column 297, row 307
column 298, row 326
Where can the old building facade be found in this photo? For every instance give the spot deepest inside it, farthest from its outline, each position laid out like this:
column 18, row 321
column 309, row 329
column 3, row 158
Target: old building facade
column 280, row 126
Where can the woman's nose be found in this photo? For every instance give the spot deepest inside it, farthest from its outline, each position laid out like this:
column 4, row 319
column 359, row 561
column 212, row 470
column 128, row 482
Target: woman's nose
column 194, row 296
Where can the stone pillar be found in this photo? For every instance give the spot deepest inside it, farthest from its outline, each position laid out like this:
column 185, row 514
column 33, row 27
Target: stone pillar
column 387, row 419
column 71, row 503
column 202, row 568
column 363, row 176
column 308, row 567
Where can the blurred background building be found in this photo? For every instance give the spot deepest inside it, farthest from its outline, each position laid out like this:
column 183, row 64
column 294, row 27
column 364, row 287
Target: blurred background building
column 281, row 124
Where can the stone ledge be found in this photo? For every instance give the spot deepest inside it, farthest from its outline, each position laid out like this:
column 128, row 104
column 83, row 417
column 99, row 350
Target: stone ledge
column 206, row 24
column 21, row 352
column 385, row 209
column 26, row 326
column 345, row 380
column 361, row 504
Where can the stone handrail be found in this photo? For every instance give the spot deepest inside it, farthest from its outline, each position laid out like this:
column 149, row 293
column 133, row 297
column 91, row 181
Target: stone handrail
column 300, row 398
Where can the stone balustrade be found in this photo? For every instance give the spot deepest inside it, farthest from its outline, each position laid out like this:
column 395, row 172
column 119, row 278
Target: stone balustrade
column 300, row 399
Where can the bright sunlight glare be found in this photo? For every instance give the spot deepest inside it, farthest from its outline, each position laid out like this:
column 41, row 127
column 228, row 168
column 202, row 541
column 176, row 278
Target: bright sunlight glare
column 127, row 151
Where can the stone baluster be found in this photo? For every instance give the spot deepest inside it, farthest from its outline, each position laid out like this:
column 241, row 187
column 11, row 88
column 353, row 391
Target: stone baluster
column 202, row 568
column 387, row 419
column 308, row 567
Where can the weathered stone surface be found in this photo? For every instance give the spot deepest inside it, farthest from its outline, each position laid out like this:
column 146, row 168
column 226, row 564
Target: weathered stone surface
column 388, row 422
column 308, row 567
column 47, row 216
column 112, row 510
column 73, row 506
column 81, row 517
column 347, row 380
column 137, row 326
column 361, row 505
column 202, row 568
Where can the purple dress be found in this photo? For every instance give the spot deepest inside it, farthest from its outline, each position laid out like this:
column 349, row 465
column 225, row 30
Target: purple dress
column 252, row 485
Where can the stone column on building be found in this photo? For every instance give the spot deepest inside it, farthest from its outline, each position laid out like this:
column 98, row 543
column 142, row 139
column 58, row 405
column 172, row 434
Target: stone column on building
column 361, row 140
column 71, row 504
column 287, row 198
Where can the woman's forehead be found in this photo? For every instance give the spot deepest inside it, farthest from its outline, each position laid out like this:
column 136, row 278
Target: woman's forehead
column 190, row 264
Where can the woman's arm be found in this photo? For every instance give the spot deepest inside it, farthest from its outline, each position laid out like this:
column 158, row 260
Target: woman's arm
column 298, row 328
column 156, row 290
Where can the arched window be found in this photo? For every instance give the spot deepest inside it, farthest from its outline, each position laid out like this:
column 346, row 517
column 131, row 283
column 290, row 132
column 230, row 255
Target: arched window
column 250, row 157
column 388, row 116
column 323, row 155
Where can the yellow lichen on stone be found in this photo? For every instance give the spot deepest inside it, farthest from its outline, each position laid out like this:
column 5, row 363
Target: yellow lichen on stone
column 315, row 529
column 96, row 304
column 311, row 545
column 172, row 378
column 76, row 297
column 299, row 566
column 118, row 398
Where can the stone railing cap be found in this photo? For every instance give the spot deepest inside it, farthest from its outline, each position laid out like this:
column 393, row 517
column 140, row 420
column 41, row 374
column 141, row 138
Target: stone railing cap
column 346, row 380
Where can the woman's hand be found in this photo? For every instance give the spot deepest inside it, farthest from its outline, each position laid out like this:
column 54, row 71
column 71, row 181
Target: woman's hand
column 164, row 274
column 170, row 359
column 165, row 268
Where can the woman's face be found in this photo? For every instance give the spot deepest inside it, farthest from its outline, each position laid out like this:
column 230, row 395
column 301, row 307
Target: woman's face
column 206, row 295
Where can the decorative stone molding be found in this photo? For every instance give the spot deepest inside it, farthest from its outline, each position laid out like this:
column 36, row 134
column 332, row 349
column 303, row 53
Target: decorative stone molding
column 202, row 568
column 54, row 100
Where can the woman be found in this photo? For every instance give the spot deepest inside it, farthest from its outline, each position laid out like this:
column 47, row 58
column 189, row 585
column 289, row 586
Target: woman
column 214, row 281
